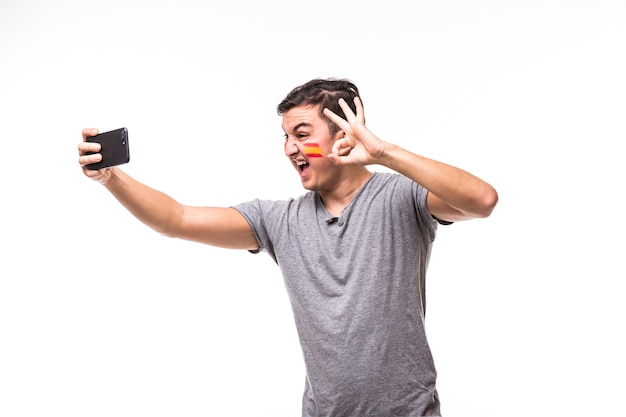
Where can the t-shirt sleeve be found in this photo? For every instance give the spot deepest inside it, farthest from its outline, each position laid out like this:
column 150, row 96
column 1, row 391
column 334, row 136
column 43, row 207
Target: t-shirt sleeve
column 425, row 218
column 258, row 213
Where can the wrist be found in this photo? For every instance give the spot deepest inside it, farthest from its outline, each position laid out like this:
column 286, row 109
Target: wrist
column 386, row 155
column 104, row 175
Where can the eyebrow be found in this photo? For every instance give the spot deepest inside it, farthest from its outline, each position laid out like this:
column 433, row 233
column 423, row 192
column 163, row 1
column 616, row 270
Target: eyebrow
column 299, row 125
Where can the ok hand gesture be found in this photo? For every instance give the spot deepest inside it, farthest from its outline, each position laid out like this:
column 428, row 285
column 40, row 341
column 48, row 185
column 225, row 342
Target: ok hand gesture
column 359, row 146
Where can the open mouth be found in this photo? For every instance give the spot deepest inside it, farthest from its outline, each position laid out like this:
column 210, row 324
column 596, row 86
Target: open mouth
column 302, row 166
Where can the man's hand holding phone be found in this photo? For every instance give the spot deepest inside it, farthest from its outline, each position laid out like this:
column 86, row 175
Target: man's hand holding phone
column 100, row 151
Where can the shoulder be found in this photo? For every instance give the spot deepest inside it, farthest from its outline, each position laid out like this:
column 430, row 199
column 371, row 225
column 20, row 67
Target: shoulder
column 271, row 208
column 399, row 194
column 396, row 185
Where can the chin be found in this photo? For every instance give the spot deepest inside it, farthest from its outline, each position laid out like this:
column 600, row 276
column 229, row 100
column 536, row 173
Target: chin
column 308, row 186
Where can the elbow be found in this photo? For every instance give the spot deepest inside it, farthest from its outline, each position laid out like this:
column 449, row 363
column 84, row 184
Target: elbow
column 488, row 202
column 166, row 233
column 170, row 228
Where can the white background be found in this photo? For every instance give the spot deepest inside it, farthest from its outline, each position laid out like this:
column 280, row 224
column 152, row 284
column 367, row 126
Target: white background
column 101, row 316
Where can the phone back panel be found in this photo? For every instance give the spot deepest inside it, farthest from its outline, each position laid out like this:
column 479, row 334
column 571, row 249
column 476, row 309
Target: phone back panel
column 115, row 149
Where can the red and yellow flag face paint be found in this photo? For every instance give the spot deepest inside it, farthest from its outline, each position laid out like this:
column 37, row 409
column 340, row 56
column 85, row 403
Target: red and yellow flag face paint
column 312, row 150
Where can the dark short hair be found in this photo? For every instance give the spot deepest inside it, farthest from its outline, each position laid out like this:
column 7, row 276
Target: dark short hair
column 324, row 93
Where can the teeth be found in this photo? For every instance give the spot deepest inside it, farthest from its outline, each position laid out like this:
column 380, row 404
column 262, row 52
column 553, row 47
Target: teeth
column 300, row 163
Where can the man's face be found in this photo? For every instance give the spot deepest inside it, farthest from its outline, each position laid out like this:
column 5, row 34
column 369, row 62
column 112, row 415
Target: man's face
column 307, row 143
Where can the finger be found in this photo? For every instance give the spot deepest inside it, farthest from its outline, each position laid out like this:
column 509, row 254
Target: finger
column 336, row 119
column 344, row 151
column 85, row 148
column 89, row 131
column 338, row 156
column 86, row 159
column 360, row 115
column 346, row 110
column 342, row 147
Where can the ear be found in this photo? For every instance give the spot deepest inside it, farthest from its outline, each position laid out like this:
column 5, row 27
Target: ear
column 340, row 134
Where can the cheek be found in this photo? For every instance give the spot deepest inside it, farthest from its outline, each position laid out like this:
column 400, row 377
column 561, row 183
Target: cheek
column 312, row 150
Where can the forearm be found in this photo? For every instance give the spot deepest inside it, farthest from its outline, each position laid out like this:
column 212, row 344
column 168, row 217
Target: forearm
column 462, row 191
column 152, row 207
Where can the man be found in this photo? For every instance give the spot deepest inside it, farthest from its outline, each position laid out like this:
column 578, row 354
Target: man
column 353, row 250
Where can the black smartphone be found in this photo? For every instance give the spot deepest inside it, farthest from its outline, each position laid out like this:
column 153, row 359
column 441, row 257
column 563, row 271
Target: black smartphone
column 115, row 150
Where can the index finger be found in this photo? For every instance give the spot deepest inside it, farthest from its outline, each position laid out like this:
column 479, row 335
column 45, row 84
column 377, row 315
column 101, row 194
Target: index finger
column 89, row 131
column 85, row 147
column 335, row 118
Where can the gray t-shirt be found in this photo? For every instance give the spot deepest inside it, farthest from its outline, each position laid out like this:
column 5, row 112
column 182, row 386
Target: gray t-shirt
column 357, row 289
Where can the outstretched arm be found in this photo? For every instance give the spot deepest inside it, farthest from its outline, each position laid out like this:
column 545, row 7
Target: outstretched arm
column 454, row 194
column 216, row 226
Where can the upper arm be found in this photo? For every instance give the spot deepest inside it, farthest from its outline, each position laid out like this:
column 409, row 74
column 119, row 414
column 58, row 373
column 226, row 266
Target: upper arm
column 216, row 226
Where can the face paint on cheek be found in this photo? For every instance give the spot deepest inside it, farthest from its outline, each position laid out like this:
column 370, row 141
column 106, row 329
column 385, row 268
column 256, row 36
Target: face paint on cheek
column 312, row 150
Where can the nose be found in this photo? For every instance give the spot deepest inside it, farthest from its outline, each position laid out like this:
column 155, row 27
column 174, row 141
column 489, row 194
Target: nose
column 291, row 148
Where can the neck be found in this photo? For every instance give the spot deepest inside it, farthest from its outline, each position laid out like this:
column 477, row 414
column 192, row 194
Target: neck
column 338, row 198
